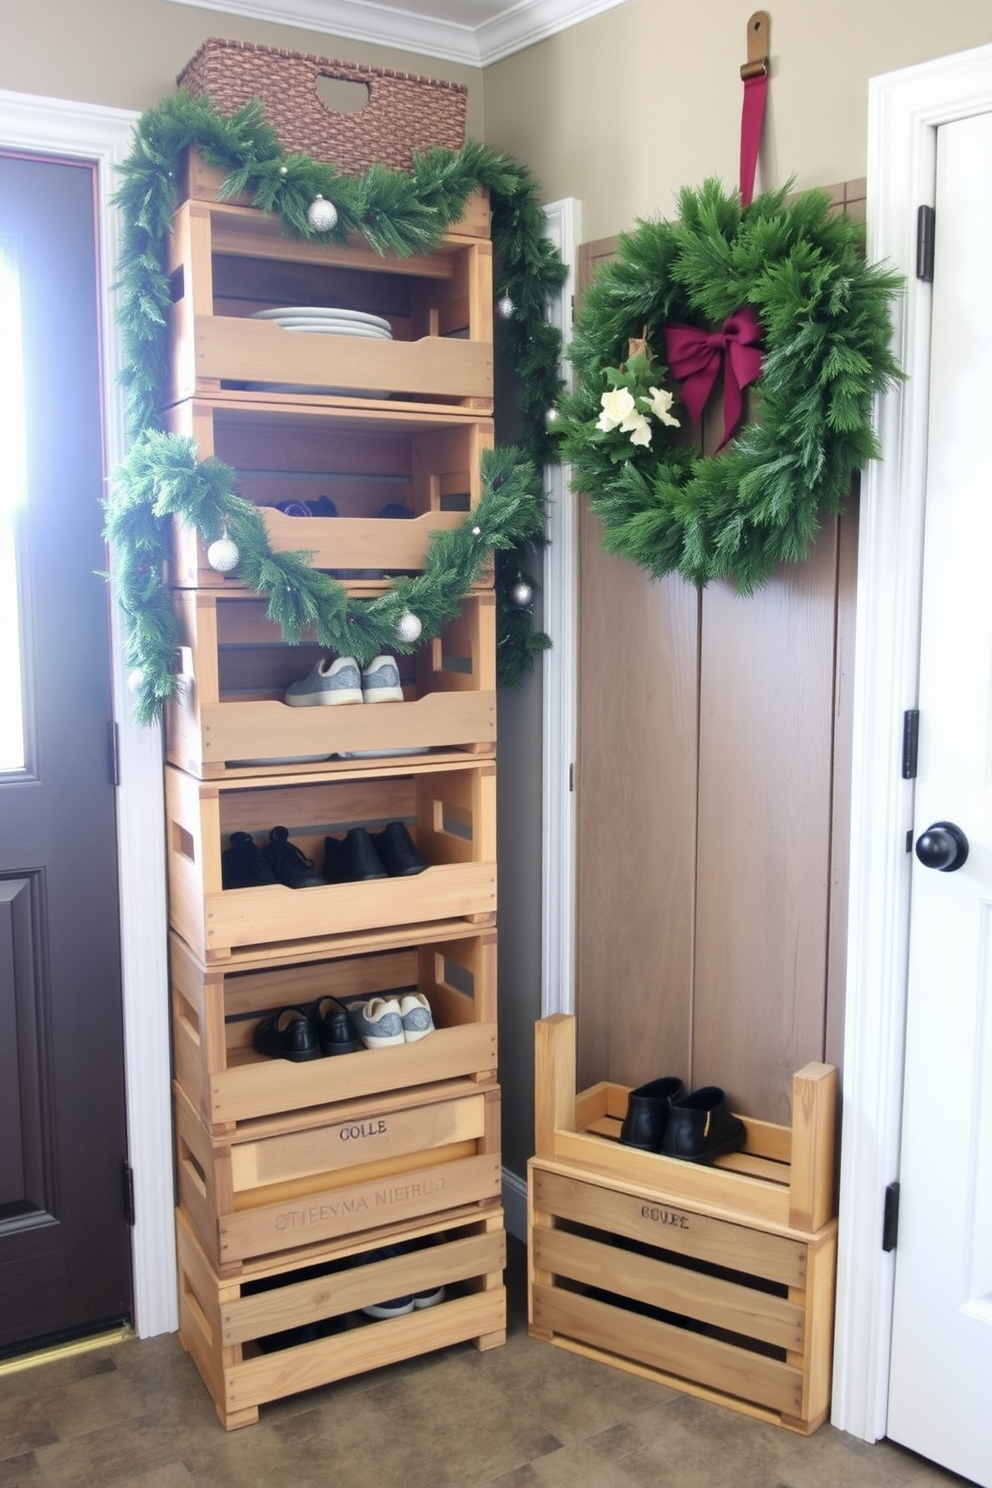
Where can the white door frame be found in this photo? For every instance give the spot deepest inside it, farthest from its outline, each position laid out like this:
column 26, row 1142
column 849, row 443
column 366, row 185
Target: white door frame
column 905, row 110
column 56, row 127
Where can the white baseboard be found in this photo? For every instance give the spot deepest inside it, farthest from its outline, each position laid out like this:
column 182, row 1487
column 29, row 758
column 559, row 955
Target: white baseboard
column 515, row 1205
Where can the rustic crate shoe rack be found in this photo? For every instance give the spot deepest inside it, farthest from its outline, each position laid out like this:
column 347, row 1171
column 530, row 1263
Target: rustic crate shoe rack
column 718, row 1281
column 308, row 1192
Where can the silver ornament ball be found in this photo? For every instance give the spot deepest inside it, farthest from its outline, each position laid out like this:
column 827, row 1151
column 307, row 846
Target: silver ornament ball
column 505, row 306
column 322, row 215
column 408, row 628
column 551, row 417
column 522, row 594
column 223, row 554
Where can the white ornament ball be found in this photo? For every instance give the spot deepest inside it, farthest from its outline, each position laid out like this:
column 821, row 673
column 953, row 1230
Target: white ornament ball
column 223, row 555
column 322, row 215
column 408, row 628
column 135, row 678
column 505, row 306
column 284, row 170
column 476, row 531
column 522, row 594
column 551, row 417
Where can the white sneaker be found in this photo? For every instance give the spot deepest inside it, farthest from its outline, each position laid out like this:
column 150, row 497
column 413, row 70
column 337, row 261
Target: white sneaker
column 329, row 683
column 381, row 681
column 415, row 1014
column 378, row 1022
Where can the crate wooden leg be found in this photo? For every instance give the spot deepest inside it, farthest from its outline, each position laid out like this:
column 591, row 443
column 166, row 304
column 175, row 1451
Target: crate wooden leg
column 535, row 1276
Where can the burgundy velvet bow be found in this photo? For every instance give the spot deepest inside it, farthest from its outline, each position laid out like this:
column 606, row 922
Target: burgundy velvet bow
column 696, row 357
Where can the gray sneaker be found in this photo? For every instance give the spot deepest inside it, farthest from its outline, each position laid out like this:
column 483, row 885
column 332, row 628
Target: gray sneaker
column 381, row 681
column 378, row 1022
column 329, row 683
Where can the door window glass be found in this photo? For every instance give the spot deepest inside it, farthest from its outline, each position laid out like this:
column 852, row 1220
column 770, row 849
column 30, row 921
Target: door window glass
column 12, row 496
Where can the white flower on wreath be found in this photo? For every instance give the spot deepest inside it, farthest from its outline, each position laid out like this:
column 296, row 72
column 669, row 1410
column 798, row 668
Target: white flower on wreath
column 661, row 406
column 637, row 426
column 618, row 405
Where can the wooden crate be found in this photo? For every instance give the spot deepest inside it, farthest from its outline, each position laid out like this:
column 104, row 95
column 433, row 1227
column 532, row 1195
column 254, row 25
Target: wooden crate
column 319, row 1175
column 227, row 262
column 236, row 668
column 221, row 1320
column 214, row 1012
column 715, row 1280
column 451, row 813
column 363, row 459
column 202, row 182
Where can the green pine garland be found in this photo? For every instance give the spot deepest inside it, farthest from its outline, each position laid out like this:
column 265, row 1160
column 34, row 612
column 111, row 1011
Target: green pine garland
column 827, row 333
column 395, row 212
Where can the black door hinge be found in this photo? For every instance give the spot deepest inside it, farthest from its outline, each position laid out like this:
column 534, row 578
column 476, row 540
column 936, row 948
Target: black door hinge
column 890, row 1218
column 910, row 742
column 115, row 755
column 925, row 222
column 127, row 1176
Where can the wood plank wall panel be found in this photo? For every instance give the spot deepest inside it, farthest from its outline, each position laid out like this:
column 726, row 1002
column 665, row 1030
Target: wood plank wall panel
column 726, row 964
column 764, row 821
column 636, row 780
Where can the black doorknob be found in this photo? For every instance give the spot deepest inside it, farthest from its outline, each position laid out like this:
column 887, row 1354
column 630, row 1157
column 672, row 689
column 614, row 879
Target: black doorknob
column 942, row 846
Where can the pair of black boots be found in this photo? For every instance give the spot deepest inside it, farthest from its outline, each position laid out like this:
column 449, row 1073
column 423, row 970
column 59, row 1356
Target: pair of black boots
column 360, row 855
column 696, row 1127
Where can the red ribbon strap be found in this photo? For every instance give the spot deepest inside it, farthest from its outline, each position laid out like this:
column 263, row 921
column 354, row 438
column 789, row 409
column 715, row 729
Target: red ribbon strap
column 696, row 357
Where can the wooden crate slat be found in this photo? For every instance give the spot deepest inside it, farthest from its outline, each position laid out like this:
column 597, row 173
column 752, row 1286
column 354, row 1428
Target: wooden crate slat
column 721, row 1366
column 722, row 1304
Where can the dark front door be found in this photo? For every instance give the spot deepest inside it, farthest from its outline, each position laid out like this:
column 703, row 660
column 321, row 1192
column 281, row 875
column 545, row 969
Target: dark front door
column 64, row 1242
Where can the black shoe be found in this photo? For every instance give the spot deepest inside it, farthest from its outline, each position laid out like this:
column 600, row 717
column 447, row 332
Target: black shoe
column 352, row 859
column 289, row 865
column 242, row 865
column 647, row 1113
column 396, row 849
column 332, row 1027
column 701, row 1127
column 286, row 1035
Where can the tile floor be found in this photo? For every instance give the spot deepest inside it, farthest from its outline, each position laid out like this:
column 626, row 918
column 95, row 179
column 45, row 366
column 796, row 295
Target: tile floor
column 525, row 1416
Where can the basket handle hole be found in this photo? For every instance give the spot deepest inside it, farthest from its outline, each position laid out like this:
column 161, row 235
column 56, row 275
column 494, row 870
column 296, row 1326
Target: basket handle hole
column 341, row 95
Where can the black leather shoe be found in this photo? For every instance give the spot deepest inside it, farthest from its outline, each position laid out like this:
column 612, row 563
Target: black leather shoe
column 332, row 1026
column 647, row 1113
column 352, row 859
column 396, row 848
column 289, row 865
column 286, row 1035
column 242, row 865
column 702, row 1127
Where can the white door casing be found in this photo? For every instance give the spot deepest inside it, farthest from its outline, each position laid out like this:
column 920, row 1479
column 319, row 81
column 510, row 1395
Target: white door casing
column 905, row 111
column 939, row 1392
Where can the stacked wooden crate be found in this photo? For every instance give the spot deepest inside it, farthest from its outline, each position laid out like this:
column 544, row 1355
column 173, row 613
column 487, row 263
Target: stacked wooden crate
column 718, row 1281
column 293, row 1177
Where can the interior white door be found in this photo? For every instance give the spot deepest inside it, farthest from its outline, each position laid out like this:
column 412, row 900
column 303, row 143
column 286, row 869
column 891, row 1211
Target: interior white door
column 940, row 1398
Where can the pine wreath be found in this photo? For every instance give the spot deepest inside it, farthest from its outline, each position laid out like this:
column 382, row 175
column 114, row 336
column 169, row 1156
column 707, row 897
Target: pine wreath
column 396, row 212
column 823, row 319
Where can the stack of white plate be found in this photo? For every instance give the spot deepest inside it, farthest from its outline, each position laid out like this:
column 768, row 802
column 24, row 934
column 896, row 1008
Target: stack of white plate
column 326, row 322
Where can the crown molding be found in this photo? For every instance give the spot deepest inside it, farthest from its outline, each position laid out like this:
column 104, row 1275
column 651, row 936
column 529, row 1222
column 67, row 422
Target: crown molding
column 503, row 29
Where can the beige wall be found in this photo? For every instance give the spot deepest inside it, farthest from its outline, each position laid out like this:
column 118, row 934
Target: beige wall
column 127, row 53
column 624, row 109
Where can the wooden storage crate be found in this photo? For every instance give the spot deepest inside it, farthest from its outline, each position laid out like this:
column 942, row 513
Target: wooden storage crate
column 714, row 1280
column 214, row 1012
column 228, row 262
column 451, row 813
column 201, row 181
column 222, row 1320
column 360, row 458
column 318, row 1175
column 230, row 713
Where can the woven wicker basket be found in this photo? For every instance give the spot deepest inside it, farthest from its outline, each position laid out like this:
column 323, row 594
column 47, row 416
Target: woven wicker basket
column 404, row 112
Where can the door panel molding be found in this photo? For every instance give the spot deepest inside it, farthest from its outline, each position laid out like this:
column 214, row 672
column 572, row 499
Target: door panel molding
column 905, row 109
column 85, row 131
